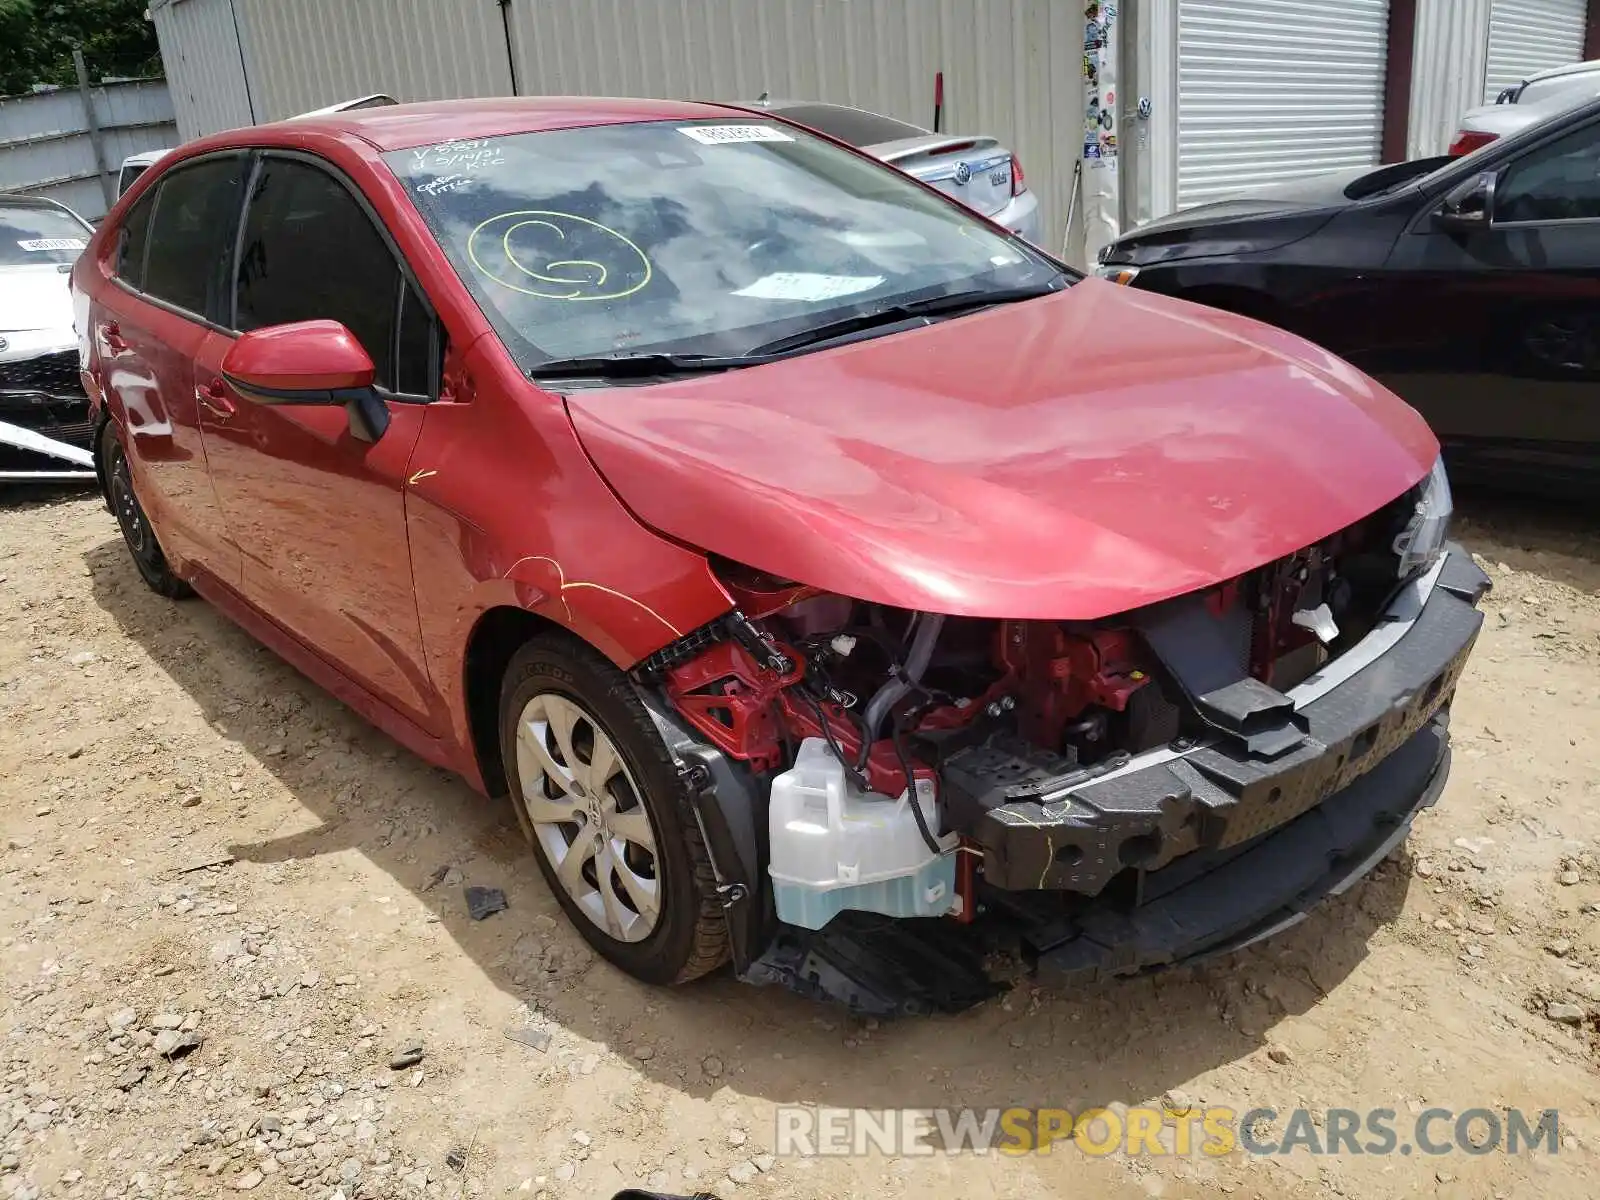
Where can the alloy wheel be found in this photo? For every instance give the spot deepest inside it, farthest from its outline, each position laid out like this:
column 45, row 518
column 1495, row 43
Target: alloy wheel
column 588, row 817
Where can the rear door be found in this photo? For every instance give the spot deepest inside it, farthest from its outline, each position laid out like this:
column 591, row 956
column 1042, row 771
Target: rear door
column 169, row 281
column 1503, row 323
column 318, row 514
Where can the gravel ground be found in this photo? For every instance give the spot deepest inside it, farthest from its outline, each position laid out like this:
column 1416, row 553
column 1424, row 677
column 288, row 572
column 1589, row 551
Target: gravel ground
column 237, row 957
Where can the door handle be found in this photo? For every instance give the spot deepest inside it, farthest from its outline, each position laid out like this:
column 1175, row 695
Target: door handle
column 115, row 342
column 213, row 397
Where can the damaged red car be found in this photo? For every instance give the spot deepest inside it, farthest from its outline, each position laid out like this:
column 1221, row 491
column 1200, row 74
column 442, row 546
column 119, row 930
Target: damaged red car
column 838, row 585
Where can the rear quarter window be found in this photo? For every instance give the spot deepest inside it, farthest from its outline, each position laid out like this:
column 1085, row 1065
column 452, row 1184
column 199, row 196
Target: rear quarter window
column 191, row 234
column 853, row 126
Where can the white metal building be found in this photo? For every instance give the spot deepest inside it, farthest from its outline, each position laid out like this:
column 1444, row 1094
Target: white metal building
column 1215, row 96
column 1526, row 36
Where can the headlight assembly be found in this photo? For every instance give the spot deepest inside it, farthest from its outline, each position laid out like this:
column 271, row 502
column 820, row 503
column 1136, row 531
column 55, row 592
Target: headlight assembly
column 1422, row 541
column 1117, row 274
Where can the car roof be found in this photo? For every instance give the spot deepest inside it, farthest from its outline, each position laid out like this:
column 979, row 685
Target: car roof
column 19, row 200
column 1578, row 68
column 145, row 158
column 402, row 126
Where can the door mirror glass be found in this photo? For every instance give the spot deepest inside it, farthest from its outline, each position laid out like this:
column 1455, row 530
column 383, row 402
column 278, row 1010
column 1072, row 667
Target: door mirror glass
column 1469, row 205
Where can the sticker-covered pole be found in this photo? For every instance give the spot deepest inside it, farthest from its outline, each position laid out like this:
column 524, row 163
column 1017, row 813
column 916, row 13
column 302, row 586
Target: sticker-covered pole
column 1102, row 217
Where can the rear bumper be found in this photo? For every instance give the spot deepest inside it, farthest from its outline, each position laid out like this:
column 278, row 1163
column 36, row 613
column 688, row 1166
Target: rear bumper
column 1170, row 806
column 1022, row 217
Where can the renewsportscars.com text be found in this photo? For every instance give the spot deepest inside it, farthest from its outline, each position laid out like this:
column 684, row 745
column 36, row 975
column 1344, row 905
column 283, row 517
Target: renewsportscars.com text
column 1209, row 1132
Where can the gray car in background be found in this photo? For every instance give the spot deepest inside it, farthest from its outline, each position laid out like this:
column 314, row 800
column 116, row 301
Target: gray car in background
column 974, row 169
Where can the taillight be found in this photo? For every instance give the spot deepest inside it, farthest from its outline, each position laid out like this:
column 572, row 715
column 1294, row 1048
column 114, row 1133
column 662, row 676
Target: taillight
column 1469, row 140
column 1018, row 183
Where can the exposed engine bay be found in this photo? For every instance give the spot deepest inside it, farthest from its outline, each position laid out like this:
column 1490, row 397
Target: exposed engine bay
column 826, row 710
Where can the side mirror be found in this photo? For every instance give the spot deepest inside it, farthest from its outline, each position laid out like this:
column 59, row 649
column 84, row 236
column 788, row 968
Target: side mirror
column 309, row 362
column 1469, row 206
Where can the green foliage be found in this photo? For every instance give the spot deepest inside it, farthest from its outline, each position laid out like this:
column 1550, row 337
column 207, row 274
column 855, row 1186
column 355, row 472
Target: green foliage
column 37, row 38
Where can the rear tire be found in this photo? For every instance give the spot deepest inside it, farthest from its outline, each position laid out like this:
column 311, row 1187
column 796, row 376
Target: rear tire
column 137, row 531
column 610, row 819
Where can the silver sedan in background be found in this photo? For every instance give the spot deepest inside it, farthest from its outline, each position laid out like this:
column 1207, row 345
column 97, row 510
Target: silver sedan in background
column 974, row 169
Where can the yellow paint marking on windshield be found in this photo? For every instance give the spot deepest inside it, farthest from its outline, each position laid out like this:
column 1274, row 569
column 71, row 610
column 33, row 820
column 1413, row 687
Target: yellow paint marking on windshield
column 584, row 286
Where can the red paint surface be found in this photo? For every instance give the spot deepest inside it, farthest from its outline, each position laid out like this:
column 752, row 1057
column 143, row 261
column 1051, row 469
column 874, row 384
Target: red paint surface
column 307, row 355
column 1071, row 457
column 1075, row 456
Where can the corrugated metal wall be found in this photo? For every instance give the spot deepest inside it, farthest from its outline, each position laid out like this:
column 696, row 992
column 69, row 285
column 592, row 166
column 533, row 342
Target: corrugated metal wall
column 1269, row 90
column 1529, row 36
column 1447, row 71
column 1011, row 66
column 45, row 148
column 201, row 58
column 305, row 54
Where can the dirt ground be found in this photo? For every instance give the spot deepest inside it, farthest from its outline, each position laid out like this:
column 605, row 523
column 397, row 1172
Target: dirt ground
column 198, row 841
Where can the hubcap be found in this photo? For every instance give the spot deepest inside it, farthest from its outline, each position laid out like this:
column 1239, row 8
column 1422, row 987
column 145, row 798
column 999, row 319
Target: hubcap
column 129, row 515
column 588, row 816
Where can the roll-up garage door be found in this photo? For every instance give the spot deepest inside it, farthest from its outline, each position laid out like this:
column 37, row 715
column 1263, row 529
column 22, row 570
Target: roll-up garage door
column 1271, row 90
column 1528, row 36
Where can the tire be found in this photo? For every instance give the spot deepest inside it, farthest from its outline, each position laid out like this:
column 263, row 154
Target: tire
column 633, row 827
column 137, row 531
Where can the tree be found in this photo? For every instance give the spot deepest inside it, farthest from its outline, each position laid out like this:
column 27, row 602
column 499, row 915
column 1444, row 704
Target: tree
column 37, row 38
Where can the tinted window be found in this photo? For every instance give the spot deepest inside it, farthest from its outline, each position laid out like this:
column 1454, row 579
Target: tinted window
column 692, row 238
column 129, row 174
column 413, row 346
column 191, row 233
column 310, row 251
column 39, row 235
column 131, row 242
column 852, row 125
column 1558, row 182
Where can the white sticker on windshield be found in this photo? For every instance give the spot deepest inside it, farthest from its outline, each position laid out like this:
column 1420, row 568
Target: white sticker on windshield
column 800, row 285
column 718, row 135
column 37, row 244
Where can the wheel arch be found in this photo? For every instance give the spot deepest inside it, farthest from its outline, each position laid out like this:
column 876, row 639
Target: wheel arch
column 102, row 420
column 499, row 633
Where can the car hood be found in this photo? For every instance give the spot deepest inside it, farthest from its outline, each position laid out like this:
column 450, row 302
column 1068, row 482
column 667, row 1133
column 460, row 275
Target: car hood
column 1069, row 457
column 1300, row 195
column 36, row 297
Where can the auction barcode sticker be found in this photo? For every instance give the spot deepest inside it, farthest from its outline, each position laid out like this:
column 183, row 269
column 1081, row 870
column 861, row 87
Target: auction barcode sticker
column 52, row 244
column 719, row 135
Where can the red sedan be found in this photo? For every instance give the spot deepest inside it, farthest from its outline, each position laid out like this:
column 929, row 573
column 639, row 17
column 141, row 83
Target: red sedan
column 805, row 555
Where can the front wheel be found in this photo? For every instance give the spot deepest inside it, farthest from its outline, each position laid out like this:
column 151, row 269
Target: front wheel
column 609, row 817
column 137, row 531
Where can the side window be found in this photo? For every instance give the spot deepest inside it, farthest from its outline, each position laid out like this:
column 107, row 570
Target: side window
column 1558, row 182
column 310, row 251
column 191, row 234
column 131, row 241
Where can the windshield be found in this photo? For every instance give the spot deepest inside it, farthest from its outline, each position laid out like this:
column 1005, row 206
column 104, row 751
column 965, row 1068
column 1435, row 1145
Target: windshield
column 31, row 236
column 676, row 237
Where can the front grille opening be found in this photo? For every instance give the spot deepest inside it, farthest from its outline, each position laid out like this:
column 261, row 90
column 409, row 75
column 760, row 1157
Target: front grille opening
column 45, row 374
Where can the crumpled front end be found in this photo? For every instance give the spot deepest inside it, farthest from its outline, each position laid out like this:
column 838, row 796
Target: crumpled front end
column 1100, row 797
column 45, row 428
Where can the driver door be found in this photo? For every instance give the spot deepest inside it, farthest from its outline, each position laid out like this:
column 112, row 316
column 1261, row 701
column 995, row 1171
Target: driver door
column 318, row 514
column 1503, row 327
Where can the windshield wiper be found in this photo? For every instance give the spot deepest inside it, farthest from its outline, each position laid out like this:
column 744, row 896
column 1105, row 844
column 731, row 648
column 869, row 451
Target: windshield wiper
column 630, row 366
column 934, row 306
